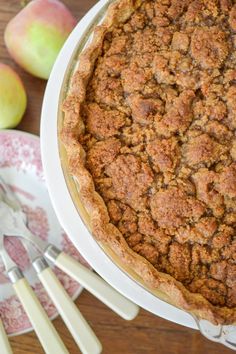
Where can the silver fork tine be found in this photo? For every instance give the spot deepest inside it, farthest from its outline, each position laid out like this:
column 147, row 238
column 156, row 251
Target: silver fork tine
column 2, row 194
column 7, row 194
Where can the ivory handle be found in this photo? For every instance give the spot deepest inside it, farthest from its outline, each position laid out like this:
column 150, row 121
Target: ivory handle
column 94, row 284
column 48, row 336
column 4, row 343
column 76, row 323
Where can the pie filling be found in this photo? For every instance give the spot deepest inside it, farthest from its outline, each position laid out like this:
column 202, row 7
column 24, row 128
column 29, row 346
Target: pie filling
column 160, row 119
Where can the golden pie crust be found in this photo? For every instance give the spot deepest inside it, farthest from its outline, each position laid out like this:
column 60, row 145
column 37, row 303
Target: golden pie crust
column 149, row 131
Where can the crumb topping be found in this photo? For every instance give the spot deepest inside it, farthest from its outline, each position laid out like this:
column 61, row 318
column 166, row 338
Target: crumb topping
column 160, row 119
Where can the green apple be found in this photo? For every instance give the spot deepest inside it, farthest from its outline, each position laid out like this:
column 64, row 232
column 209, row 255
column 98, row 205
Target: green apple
column 35, row 36
column 13, row 98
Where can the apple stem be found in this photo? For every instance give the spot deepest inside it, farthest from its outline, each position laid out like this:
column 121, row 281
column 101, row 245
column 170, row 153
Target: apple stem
column 23, row 3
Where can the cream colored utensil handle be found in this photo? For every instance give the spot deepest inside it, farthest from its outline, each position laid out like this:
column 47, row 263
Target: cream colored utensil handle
column 4, row 343
column 48, row 336
column 93, row 283
column 77, row 325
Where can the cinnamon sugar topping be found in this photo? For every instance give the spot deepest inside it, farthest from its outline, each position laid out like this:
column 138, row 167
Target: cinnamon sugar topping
column 159, row 116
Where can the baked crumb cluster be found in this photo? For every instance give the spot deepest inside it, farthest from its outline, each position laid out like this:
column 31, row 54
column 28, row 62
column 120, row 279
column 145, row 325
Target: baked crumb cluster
column 160, row 119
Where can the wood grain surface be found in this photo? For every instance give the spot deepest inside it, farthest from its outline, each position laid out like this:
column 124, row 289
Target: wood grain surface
column 147, row 334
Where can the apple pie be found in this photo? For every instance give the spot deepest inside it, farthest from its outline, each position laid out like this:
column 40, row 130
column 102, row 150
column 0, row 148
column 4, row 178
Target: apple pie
column 149, row 130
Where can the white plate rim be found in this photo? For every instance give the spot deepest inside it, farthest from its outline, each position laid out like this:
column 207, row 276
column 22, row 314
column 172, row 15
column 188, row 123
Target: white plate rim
column 59, row 194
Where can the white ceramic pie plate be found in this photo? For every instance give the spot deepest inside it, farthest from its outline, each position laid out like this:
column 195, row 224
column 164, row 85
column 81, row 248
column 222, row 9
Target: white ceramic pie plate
column 63, row 204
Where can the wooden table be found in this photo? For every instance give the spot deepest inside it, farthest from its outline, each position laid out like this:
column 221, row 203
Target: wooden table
column 147, row 334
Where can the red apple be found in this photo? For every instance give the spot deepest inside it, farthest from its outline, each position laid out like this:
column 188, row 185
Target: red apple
column 12, row 97
column 35, row 36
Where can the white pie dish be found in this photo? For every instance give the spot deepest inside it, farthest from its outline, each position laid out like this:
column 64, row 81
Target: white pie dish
column 62, row 198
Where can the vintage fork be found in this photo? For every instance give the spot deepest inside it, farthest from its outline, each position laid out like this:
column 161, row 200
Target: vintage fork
column 74, row 320
column 43, row 327
column 88, row 279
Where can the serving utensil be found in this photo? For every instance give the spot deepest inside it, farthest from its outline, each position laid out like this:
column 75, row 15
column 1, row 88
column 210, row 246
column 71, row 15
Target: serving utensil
column 88, row 279
column 74, row 320
column 225, row 335
column 47, row 334
column 4, row 343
